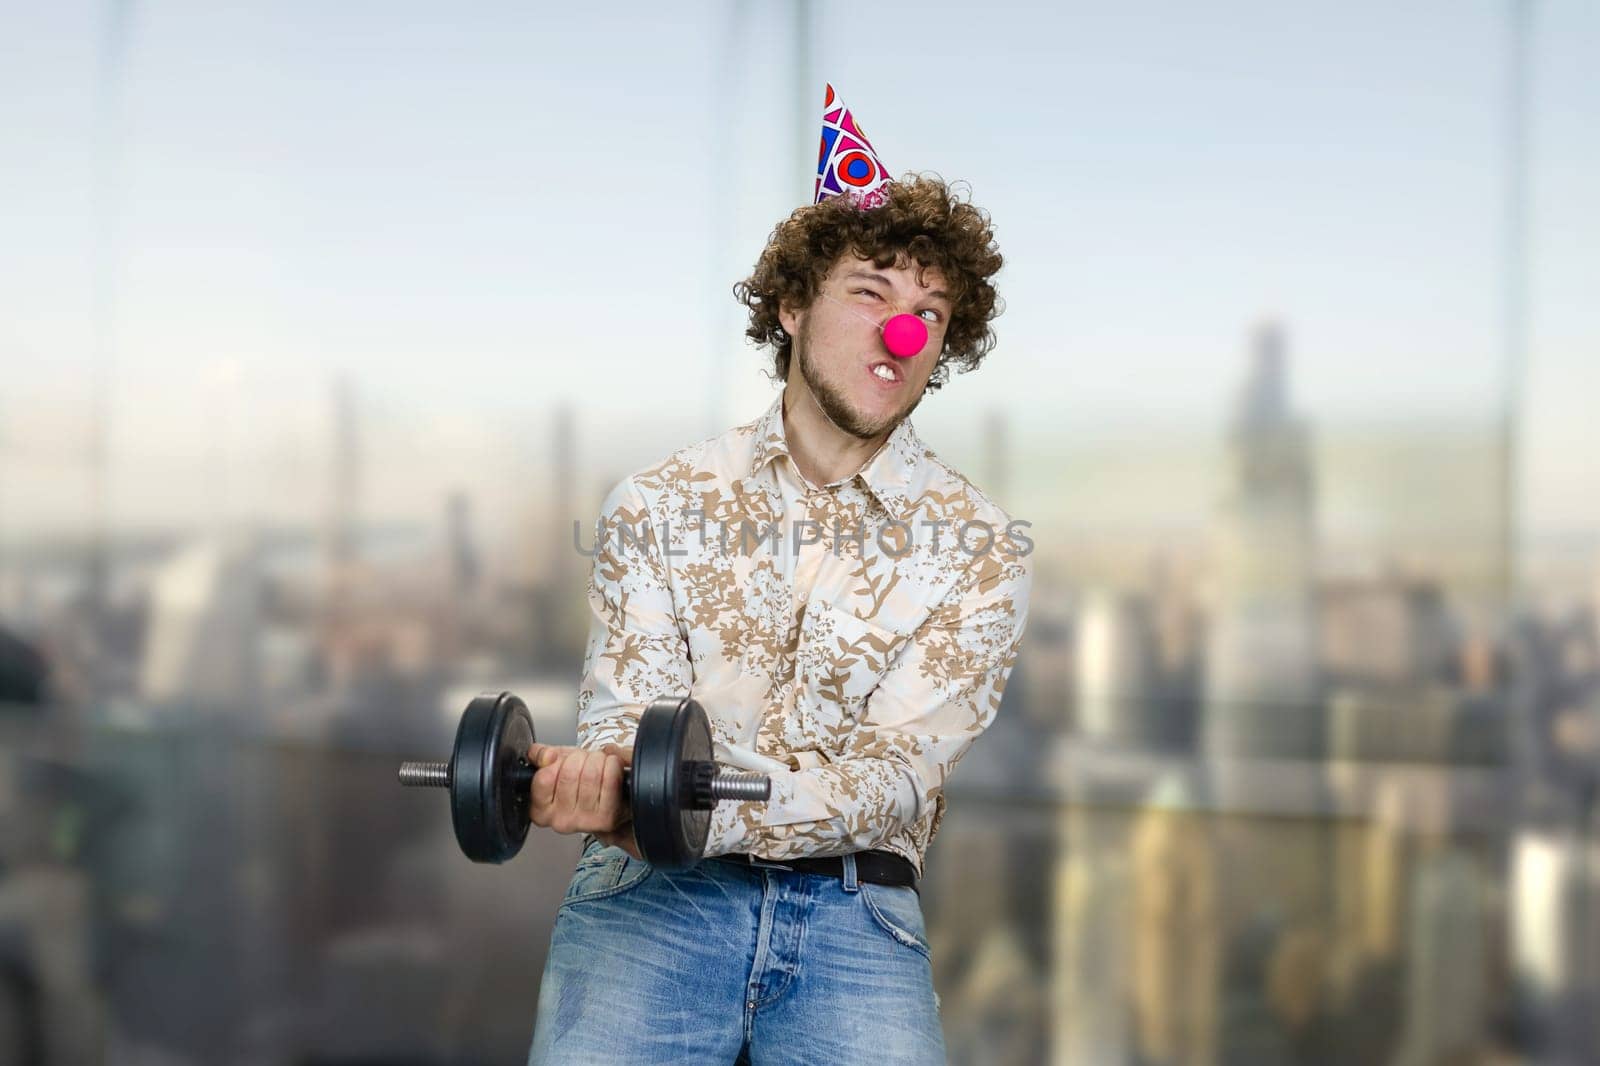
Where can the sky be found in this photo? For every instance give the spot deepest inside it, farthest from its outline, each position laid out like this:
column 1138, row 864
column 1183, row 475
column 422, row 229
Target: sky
column 478, row 216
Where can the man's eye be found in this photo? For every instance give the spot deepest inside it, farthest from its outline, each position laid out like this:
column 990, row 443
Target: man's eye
column 930, row 311
column 868, row 292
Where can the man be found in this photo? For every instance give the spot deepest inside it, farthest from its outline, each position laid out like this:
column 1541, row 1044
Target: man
column 847, row 608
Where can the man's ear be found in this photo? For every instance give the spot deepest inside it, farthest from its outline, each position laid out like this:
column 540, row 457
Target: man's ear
column 789, row 318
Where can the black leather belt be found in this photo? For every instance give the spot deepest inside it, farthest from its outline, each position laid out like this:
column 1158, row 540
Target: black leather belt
column 873, row 867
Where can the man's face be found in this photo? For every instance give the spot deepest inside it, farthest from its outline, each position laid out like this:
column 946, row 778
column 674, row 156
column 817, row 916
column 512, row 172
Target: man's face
column 838, row 343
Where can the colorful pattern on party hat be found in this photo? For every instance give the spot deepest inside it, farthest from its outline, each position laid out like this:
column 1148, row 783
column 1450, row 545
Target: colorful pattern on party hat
column 846, row 162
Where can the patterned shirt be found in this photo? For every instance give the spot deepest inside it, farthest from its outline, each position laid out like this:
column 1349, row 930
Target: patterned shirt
column 860, row 633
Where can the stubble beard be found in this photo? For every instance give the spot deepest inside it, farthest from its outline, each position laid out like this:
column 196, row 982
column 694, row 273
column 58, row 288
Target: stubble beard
column 836, row 405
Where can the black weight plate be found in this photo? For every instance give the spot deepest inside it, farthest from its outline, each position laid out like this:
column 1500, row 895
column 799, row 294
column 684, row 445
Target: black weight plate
column 694, row 825
column 671, row 733
column 489, row 814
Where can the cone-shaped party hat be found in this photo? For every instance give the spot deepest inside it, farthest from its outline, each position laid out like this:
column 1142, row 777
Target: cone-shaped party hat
column 847, row 165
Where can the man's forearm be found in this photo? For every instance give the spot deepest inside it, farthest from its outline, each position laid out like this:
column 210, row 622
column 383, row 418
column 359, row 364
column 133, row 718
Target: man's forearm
column 850, row 805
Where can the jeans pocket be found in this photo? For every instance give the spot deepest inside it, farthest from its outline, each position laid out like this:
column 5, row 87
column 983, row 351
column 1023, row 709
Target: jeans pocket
column 898, row 912
column 603, row 872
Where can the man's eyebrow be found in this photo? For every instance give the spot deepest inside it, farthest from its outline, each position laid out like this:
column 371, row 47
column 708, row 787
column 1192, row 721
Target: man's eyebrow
column 880, row 279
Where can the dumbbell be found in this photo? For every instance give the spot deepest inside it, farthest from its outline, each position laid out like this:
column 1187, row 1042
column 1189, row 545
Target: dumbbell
column 672, row 785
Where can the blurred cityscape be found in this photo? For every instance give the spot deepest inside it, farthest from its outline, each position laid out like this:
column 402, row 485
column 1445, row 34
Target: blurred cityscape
column 324, row 326
column 1252, row 796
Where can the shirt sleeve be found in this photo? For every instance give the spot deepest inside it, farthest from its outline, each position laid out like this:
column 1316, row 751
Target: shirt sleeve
column 938, row 696
column 636, row 650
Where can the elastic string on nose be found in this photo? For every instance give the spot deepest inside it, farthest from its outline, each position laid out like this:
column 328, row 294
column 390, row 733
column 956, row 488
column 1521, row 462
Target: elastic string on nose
column 904, row 335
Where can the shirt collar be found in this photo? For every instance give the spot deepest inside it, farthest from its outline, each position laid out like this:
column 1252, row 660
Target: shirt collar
column 885, row 475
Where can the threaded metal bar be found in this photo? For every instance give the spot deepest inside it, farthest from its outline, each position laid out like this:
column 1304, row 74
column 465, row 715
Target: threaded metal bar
column 734, row 785
column 425, row 774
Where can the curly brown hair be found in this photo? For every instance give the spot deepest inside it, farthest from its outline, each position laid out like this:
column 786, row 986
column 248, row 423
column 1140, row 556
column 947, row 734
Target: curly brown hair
column 923, row 221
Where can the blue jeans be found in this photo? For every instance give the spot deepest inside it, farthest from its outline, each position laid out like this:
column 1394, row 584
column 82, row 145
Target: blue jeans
column 732, row 964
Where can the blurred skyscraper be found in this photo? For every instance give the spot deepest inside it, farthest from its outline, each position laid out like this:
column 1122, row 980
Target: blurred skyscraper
column 1093, row 945
column 1261, row 674
column 1177, row 946
column 1116, row 671
column 560, row 508
column 204, row 628
column 343, row 515
column 465, row 566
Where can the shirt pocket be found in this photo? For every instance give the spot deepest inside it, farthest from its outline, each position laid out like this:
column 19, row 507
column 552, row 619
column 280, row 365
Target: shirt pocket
column 840, row 661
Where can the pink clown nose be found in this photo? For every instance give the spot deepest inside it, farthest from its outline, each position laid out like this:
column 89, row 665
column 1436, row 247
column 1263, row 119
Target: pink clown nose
column 905, row 335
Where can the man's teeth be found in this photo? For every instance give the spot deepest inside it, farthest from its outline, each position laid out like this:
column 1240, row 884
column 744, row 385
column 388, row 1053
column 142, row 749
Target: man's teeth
column 883, row 371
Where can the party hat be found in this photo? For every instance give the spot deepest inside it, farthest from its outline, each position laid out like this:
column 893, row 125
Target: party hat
column 846, row 162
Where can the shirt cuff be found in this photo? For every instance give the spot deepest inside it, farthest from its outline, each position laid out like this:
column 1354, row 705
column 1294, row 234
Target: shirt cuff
column 734, row 829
